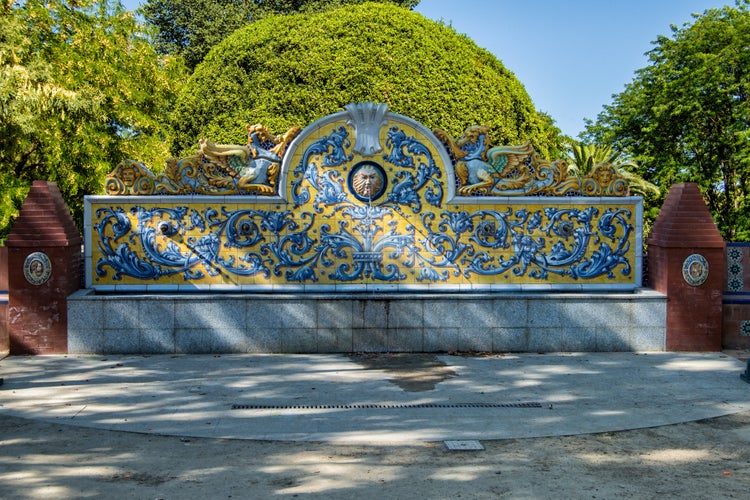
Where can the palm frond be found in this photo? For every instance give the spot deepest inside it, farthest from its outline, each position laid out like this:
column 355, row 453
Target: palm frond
column 582, row 158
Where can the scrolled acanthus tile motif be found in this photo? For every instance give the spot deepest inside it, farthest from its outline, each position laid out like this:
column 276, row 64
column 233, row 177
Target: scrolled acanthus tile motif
column 364, row 197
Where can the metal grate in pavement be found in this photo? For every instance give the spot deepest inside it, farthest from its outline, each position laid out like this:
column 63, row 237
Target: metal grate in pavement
column 384, row 406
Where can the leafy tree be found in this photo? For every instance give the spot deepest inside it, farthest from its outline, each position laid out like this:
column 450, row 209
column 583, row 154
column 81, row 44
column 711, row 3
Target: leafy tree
column 283, row 71
column 686, row 116
column 191, row 27
column 80, row 90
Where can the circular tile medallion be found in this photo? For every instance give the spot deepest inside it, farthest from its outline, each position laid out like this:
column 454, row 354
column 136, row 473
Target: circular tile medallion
column 695, row 269
column 367, row 181
column 37, row 268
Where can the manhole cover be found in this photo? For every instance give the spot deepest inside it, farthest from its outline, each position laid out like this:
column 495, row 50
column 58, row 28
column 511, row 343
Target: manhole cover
column 464, row 445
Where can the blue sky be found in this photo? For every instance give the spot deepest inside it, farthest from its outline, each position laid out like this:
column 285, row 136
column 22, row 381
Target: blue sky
column 571, row 55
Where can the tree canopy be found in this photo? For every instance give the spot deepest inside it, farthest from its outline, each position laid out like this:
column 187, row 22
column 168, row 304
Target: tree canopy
column 81, row 89
column 284, row 71
column 686, row 116
column 190, row 28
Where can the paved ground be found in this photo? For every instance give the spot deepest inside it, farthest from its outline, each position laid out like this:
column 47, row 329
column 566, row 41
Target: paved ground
column 373, row 399
column 333, row 426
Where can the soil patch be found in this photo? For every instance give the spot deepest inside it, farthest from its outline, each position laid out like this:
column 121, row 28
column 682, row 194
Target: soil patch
column 411, row 372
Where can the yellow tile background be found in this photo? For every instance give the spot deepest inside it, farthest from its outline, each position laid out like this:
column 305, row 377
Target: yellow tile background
column 332, row 217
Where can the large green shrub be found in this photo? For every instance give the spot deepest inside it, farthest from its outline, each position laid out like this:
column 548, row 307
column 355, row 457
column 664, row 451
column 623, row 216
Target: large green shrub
column 290, row 70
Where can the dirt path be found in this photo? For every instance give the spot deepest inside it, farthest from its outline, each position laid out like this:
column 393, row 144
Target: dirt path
column 706, row 459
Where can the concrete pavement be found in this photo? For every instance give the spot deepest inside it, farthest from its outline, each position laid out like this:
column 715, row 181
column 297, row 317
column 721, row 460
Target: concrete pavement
column 374, row 399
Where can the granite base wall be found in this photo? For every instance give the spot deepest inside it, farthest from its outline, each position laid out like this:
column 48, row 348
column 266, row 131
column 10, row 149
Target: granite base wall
column 291, row 323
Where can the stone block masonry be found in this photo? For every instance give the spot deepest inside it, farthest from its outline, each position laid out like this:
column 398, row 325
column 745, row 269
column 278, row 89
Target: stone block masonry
column 342, row 323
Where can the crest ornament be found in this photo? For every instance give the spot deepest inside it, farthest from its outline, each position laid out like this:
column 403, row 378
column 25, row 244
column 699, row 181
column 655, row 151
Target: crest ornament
column 367, row 118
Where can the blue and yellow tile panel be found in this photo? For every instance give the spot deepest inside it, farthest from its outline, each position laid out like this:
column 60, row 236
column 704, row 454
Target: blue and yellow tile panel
column 368, row 202
column 737, row 272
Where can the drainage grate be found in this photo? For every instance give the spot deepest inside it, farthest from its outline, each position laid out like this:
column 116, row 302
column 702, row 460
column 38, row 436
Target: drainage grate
column 385, row 406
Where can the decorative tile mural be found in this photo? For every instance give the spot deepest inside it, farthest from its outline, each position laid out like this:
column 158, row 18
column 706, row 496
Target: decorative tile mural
column 365, row 200
column 736, row 297
column 735, row 267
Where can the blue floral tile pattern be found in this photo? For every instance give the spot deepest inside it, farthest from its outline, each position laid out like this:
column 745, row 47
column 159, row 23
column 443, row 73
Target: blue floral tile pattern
column 735, row 284
column 735, row 269
column 368, row 199
column 734, row 255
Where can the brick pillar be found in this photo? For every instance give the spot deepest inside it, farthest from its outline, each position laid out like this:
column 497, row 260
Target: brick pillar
column 44, row 255
column 4, row 339
column 686, row 262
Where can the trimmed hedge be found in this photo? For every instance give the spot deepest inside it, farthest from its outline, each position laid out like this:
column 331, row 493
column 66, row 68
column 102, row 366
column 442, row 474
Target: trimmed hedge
column 290, row 70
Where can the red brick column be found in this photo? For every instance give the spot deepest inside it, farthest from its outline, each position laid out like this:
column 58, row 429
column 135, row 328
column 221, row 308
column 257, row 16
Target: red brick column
column 44, row 256
column 686, row 262
column 4, row 340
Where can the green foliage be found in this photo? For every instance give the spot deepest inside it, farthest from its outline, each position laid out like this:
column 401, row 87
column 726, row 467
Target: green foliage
column 283, row 71
column 190, row 28
column 582, row 158
column 80, row 90
column 686, row 116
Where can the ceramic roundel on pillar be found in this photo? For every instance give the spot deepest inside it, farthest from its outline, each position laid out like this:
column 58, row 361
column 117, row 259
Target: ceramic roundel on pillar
column 695, row 269
column 37, row 268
